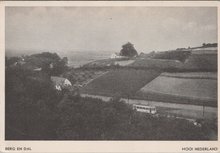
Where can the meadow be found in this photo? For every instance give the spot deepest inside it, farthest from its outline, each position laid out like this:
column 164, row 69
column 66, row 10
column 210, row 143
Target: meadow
column 156, row 63
column 124, row 82
column 195, row 62
column 181, row 90
column 203, row 62
column 191, row 80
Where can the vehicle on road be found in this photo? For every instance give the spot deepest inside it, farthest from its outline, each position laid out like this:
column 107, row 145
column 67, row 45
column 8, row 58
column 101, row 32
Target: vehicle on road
column 145, row 108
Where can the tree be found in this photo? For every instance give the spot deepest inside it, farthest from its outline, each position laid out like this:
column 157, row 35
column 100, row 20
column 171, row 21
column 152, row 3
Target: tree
column 65, row 60
column 128, row 50
column 30, row 105
column 59, row 66
column 11, row 60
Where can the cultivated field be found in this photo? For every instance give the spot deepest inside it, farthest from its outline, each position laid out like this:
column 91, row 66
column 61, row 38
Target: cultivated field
column 182, row 88
column 81, row 77
column 125, row 82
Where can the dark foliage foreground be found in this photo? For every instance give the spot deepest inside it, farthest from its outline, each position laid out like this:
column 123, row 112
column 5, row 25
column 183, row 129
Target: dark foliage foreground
column 35, row 111
column 92, row 119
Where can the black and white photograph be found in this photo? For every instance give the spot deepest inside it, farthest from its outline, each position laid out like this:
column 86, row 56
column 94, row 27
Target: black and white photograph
column 109, row 73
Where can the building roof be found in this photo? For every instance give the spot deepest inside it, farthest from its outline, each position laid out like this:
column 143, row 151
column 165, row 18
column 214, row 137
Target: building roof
column 57, row 80
column 118, row 54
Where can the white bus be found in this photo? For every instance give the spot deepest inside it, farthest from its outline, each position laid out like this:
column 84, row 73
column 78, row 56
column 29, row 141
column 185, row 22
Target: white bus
column 145, row 108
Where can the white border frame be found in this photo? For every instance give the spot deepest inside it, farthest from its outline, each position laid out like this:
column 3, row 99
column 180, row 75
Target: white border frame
column 95, row 146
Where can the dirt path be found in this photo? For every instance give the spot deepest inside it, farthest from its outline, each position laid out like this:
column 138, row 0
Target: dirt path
column 95, row 78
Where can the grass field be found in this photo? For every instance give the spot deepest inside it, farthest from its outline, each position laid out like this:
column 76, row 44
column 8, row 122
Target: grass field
column 209, row 50
column 195, row 62
column 125, row 82
column 201, row 62
column 181, row 90
column 157, row 63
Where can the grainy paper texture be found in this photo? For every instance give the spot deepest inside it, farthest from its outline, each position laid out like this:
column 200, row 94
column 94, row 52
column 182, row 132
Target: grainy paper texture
column 102, row 76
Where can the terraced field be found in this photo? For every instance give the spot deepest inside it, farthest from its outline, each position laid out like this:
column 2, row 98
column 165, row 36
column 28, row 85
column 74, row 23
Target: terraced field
column 125, row 82
column 80, row 77
column 182, row 88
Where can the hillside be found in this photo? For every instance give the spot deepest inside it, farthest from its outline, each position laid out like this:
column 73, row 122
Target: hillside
column 198, row 88
column 124, row 82
column 196, row 82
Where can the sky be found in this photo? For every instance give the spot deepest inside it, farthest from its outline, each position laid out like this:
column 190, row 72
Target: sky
column 108, row 28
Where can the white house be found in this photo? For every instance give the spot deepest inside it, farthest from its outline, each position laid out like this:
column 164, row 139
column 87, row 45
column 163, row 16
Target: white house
column 60, row 83
column 116, row 55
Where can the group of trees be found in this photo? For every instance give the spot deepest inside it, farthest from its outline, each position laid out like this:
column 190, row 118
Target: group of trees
column 128, row 50
column 30, row 101
column 30, row 97
column 210, row 45
column 50, row 63
column 92, row 119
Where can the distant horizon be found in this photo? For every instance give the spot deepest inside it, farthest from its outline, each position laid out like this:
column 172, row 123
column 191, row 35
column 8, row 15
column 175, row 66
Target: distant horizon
column 19, row 52
column 9, row 52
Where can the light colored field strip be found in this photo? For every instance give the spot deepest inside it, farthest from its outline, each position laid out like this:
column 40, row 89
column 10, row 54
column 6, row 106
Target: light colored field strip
column 191, row 75
column 104, row 98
